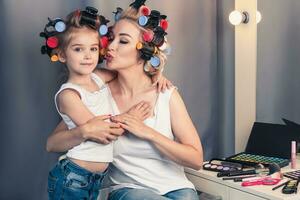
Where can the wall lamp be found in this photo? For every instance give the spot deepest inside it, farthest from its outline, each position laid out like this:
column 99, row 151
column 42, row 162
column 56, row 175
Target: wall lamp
column 236, row 17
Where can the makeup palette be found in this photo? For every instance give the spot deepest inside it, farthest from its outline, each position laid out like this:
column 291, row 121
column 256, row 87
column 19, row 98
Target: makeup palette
column 219, row 165
column 293, row 175
column 253, row 159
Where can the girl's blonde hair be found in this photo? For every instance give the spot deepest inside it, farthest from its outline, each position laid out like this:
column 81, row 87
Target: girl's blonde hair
column 72, row 25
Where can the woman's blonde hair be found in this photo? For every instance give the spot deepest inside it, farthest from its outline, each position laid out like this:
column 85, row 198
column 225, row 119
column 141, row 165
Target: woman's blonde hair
column 132, row 15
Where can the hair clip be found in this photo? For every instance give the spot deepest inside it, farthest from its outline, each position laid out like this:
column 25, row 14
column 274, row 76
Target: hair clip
column 53, row 27
column 89, row 17
column 159, row 36
column 137, row 4
column 147, row 52
column 47, row 50
column 153, row 38
column 151, row 21
column 146, row 49
column 118, row 13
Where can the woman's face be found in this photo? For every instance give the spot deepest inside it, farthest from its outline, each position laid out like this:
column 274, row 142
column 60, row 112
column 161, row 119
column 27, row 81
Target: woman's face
column 122, row 52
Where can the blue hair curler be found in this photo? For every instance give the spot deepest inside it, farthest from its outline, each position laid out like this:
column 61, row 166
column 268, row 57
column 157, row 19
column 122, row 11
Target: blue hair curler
column 143, row 20
column 103, row 29
column 60, row 26
column 155, row 62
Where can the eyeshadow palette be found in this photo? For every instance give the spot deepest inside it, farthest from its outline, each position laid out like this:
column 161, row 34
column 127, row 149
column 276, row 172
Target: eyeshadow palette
column 254, row 159
column 293, row 175
column 219, row 165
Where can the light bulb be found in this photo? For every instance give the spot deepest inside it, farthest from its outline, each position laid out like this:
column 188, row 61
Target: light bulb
column 258, row 17
column 236, row 17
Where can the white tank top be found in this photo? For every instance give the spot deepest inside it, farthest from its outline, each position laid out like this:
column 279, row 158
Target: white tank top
column 138, row 164
column 98, row 103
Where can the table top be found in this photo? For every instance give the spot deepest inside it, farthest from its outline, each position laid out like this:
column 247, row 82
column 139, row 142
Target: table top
column 264, row 191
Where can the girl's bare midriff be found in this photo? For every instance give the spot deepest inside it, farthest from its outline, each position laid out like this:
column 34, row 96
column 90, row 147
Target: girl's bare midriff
column 91, row 166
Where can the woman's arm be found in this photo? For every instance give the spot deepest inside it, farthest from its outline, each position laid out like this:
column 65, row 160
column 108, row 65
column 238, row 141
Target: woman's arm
column 63, row 139
column 186, row 150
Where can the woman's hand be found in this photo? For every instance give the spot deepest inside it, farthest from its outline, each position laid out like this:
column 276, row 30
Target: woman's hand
column 101, row 131
column 134, row 125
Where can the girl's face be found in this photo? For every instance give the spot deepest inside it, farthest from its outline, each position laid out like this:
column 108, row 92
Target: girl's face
column 122, row 52
column 82, row 53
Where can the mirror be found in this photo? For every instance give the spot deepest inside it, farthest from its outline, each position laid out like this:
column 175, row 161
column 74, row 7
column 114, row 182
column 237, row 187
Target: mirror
column 278, row 61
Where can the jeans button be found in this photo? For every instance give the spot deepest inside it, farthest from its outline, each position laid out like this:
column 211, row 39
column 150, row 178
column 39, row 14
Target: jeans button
column 97, row 176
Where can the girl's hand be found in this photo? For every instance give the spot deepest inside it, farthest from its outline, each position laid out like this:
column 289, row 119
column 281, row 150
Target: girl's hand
column 101, row 131
column 141, row 111
column 135, row 126
column 162, row 82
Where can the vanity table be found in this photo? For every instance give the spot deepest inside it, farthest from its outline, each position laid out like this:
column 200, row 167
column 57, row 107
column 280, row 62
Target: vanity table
column 207, row 181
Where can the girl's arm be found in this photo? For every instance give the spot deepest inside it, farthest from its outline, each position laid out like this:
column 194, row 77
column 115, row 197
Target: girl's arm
column 69, row 103
column 158, row 79
column 95, row 129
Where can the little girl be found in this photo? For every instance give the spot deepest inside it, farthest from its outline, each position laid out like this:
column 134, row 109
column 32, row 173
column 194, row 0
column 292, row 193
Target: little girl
column 76, row 43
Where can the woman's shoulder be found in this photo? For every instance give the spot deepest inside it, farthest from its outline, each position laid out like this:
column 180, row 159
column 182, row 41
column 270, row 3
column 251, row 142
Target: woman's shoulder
column 170, row 92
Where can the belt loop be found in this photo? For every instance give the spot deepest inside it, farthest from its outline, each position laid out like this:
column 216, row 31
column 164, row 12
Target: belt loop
column 63, row 163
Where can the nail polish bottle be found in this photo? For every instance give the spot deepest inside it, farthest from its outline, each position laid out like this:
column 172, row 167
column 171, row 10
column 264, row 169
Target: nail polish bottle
column 293, row 155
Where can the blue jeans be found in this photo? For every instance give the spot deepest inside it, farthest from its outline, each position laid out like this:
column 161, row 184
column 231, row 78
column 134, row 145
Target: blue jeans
column 70, row 181
column 143, row 194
